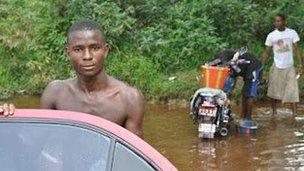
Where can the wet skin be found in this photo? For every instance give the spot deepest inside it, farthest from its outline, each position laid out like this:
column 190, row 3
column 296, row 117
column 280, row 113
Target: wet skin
column 93, row 91
column 7, row 109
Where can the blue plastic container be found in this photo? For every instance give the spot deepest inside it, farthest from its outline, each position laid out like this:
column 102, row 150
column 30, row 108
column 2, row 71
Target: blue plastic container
column 247, row 126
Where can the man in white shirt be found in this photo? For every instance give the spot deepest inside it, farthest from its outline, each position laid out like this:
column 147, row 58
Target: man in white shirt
column 283, row 84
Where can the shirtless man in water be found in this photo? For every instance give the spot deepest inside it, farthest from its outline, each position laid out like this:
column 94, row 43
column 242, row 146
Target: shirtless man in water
column 93, row 91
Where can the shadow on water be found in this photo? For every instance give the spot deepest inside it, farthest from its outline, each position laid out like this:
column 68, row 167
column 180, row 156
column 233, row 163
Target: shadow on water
column 278, row 144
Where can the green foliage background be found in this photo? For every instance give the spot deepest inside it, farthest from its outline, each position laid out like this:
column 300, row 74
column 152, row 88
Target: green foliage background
column 151, row 40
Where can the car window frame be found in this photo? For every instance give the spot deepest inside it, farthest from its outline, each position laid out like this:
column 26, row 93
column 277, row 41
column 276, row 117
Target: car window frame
column 135, row 152
column 113, row 138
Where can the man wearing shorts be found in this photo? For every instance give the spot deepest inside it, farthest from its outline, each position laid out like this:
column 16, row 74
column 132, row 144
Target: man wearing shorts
column 283, row 84
column 251, row 71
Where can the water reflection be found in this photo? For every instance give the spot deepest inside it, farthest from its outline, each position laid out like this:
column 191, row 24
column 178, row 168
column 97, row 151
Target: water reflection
column 274, row 147
column 277, row 145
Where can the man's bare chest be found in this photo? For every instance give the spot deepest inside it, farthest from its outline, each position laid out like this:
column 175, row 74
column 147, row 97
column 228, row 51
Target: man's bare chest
column 110, row 108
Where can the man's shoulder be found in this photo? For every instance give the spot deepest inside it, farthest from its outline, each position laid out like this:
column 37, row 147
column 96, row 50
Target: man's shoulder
column 57, row 85
column 292, row 31
column 126, row 90
column 273, row 32
column 53, row 90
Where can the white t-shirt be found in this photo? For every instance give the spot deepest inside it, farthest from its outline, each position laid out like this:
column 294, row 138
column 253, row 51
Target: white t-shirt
column 282, row 43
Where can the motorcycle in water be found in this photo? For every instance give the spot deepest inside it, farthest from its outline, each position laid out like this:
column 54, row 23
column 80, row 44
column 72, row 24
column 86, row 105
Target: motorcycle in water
column 210, row 107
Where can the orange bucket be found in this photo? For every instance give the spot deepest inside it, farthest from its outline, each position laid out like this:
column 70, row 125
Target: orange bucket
column 214, row 77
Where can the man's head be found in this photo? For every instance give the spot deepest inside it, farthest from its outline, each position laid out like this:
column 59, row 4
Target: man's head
column 280, row 21
column 87, row 47
column 224, row 56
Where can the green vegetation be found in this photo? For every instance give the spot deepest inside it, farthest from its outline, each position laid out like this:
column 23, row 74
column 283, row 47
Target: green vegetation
column 151, row 40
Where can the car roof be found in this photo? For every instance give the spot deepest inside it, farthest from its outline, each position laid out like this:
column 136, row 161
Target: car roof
column 99, row 122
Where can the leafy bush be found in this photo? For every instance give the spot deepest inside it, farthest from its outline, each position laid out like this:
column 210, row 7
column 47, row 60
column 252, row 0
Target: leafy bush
column 182, row 39
column 138, row 71
column 151, row 40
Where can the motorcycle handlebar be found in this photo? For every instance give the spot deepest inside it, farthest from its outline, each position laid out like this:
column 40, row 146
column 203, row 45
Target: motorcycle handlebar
column 231, row 62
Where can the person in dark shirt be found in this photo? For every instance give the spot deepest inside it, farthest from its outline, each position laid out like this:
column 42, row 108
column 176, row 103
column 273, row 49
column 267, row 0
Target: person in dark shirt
column 251, row 71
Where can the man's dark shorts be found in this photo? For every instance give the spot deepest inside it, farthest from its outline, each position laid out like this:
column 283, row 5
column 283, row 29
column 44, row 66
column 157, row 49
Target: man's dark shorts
column 251, row 87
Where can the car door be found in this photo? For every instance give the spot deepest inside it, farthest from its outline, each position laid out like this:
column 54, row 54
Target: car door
column 55, row 145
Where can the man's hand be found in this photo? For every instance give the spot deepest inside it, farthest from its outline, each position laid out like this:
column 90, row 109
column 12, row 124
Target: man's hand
column 7, row 109
column 265, row 55
column 298, row 52
column 300, row 70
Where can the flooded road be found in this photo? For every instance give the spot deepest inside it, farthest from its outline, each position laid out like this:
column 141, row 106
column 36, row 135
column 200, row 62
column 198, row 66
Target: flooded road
column 278, row 144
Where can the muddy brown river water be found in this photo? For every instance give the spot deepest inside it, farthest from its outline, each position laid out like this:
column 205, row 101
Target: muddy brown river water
column 277, row 145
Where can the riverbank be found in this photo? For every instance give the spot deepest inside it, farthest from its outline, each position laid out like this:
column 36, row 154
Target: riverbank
column 175, row 89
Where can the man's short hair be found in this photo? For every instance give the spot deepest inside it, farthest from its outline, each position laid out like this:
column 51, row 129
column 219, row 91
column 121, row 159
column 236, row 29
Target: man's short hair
column 83, row 25
column 225, row 55
column 281, row 15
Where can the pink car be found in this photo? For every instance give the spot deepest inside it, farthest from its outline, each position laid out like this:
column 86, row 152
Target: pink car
column 52, row 140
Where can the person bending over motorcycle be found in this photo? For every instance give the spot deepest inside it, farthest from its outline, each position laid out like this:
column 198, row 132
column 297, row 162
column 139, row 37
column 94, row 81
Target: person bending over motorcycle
column 251, row 72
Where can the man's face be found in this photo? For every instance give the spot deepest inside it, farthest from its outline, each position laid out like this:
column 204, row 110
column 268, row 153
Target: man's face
column 87, row 52
column 279, row 22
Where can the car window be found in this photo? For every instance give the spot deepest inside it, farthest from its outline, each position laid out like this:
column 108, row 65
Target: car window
column 127, row 160
column 51, row 147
